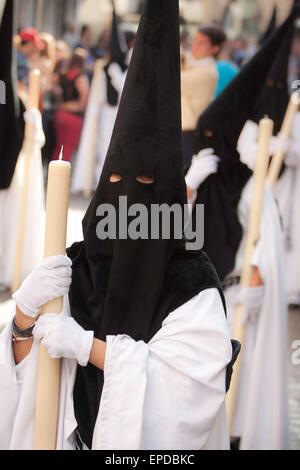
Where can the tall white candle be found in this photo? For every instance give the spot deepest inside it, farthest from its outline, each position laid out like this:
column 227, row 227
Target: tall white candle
column 47, row 398
column 28, row 148
column 265, row 133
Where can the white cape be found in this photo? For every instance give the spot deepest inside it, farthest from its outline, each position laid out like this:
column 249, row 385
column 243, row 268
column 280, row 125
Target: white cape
column 261, row 418
column 167, row 394
column 10, row 201
column 105, row 115
column 287, row 192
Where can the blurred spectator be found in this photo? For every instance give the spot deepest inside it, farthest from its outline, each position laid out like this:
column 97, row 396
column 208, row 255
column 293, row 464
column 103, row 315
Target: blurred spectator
column 251, row 49
column 70, row 35
column 46, row 61
column 85, row 43
column 68, row 119
column 102, row 45
column 184, row 40
column 52, row 97
column 199, row 78
column 182, row 20
column 30, row 45
column 63, row 55
column 227, row 69
column 239, row 51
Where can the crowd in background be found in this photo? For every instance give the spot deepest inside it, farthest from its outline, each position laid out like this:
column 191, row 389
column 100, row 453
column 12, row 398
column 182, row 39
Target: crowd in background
column 67, row 66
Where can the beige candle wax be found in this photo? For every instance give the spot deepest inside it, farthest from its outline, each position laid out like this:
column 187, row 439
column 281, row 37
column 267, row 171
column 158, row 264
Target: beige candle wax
column 259, row 178
column 48, row 374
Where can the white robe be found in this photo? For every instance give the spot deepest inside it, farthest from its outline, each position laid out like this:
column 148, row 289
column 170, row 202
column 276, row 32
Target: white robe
column 287, row 193
column 167, row 394
column 261, row 418
column 10, row 201
column 98, row 108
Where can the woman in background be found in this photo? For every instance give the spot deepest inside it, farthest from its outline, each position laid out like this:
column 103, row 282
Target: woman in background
column 68, row 119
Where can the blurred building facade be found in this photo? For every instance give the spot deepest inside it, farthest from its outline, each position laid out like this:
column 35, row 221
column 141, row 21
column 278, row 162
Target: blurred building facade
column 239, row 16
column 48, row 15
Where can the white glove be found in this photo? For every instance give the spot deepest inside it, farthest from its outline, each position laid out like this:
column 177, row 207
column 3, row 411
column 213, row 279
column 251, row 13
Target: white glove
column 280, row 142
column 203, row 165
column 49, row 280
column 64, row 337
column 252, row 299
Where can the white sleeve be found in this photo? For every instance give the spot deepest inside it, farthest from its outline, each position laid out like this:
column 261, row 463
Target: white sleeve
column 118, row 77
column 248, row 144
column 169, row 393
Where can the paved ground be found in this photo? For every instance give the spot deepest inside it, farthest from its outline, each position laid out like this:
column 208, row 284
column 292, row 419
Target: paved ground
column 78, row 206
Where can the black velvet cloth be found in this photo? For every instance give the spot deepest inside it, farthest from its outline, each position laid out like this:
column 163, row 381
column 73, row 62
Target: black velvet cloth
column 11, row 113
column 126, row 286
column 219, row 127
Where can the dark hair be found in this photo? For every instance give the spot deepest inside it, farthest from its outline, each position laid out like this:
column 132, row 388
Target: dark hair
column 129, row 37
column 78, row 58
column 84, row 29
column 215, row 33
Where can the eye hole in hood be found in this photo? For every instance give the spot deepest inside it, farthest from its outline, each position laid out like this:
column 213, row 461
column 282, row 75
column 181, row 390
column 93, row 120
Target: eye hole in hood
column 115, row 178
column 145, row 179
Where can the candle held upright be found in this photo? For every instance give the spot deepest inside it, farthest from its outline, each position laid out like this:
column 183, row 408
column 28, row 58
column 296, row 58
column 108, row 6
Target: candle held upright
column 259, row 179
column 48, row 373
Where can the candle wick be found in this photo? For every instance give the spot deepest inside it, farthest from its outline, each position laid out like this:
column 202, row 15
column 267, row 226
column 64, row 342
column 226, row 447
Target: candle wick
column 61, row 153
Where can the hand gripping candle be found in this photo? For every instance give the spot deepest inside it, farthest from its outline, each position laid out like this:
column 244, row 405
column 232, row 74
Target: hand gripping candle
column 48, row 373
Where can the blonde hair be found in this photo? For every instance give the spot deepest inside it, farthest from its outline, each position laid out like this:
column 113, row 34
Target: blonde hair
column 50, row 47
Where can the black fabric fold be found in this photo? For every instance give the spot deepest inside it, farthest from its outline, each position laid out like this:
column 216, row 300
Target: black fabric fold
column 11, row 113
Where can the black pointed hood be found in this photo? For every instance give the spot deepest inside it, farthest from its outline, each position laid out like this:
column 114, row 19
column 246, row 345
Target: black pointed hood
column 129, row 286
column 274, row 97
column 11, row 119
column 219, row 128
column 117, row 49
column 117, row 55
column 270, row 29
column 146, row 139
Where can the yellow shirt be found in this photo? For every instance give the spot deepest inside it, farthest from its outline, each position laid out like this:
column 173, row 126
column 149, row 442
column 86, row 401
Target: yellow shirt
column 198, row 85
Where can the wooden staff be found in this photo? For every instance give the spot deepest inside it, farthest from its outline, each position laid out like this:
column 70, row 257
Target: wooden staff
column 93, row 132
column 2, row 6
column 265, row 133
column 28, row 149
column 48, row 373
column 286, row 129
